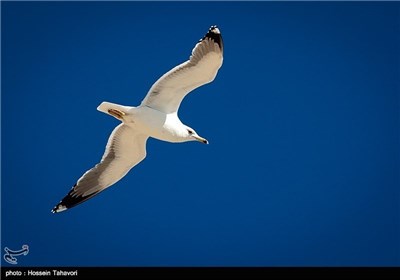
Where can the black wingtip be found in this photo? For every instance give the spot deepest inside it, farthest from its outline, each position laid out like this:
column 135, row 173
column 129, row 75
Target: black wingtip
column 58, row 208
column 71, row 200
column 214, row 29
column 214, row 34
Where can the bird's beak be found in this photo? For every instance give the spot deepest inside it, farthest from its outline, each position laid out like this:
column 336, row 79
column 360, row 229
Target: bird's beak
column 200, row 139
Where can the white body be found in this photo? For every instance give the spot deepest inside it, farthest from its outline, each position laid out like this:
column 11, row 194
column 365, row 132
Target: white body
column 154, row 123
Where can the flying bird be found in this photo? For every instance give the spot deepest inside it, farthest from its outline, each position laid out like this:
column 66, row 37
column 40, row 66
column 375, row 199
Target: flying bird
column 156, row 116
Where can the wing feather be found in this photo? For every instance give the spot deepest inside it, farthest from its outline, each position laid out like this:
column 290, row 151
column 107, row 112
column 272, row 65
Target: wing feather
column 125, row 149
column 202, row 67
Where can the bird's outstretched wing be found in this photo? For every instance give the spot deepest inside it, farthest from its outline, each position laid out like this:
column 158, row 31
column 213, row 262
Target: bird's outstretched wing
column 125, row 148
column 167, row 93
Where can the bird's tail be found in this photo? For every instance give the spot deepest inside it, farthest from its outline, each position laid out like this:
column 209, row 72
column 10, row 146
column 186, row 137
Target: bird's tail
column 112, row 109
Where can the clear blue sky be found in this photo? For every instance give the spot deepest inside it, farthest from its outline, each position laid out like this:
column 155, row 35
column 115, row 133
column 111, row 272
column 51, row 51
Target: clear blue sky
column 303, row 122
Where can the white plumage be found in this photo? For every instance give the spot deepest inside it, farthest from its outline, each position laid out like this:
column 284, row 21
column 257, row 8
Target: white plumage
column 157, row 117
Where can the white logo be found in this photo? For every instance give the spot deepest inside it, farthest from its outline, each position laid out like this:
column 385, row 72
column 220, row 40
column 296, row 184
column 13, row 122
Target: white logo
column 10, row 255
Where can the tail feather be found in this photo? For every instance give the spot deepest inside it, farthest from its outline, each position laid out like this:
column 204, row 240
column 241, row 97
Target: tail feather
column 106, row 106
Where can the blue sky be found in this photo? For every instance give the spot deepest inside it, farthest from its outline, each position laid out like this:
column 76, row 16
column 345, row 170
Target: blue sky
column 303, row 122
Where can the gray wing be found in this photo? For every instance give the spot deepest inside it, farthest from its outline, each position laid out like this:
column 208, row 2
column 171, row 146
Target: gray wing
column 125, row 149
column 168, row 92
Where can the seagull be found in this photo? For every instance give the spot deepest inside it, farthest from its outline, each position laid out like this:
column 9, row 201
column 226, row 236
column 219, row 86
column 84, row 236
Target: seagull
column 156, row 116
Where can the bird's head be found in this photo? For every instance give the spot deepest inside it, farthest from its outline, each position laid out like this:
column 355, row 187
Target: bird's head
column 192, row 135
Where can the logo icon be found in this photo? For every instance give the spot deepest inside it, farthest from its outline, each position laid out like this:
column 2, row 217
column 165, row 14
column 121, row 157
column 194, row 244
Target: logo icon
column 10, row 255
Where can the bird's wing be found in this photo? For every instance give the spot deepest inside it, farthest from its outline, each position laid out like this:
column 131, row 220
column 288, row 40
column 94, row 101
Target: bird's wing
column 167, row 93
column 125, row 148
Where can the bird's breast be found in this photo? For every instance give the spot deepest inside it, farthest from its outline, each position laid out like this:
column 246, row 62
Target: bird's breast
column 157, row 124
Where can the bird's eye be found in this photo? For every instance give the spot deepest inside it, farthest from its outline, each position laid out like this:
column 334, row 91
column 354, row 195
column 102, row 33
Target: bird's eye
column 190, row 131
